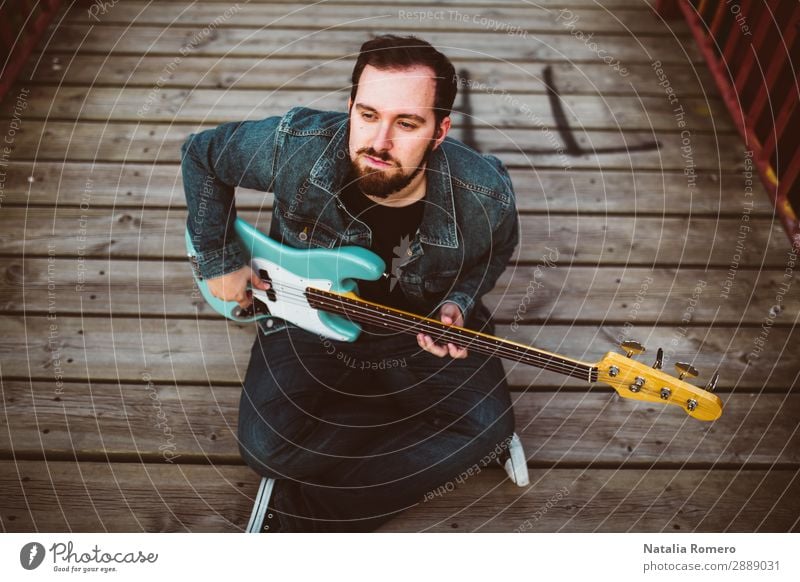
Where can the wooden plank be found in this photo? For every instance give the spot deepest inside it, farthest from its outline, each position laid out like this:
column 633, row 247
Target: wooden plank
column 38, row 496
column 478, row 19
column 254, row 73
column 135, row 185
column 157, row 423
column 616, row 501
column 217, row 352
column 128, row 497
column 121, row 422
column 215, row 106
column 559, row 295
column 644, row 5
column 610, row 240
column 335, row 44
column 541, row 149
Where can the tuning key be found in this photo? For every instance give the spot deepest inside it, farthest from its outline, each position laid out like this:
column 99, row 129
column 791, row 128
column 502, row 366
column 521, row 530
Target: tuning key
column 632, row 348
column 712, row 384
column 685, row 369
column 659, row 359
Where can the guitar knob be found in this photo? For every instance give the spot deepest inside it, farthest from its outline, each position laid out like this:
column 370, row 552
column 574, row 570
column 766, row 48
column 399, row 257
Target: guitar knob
column 685, row 369
column 632, row 348
column 659, row 359
column 712, row 384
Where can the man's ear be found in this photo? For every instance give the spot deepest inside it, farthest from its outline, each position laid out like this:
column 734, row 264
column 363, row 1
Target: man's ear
column 441, row 132
column 349, row 104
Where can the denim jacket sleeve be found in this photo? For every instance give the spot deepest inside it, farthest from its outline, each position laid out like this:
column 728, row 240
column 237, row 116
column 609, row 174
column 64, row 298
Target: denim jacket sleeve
column 481, row 278
column 213, row 163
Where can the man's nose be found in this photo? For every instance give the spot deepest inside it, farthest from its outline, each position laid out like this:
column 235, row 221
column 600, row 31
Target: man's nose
column 382, row 141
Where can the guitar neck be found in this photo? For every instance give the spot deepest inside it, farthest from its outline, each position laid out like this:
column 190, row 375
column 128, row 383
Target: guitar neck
column 363, row 311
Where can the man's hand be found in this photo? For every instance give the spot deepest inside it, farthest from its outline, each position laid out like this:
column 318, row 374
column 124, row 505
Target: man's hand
column 449, row 314
column 233, row 286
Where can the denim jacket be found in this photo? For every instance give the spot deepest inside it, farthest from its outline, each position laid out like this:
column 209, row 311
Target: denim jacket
column 467, row 234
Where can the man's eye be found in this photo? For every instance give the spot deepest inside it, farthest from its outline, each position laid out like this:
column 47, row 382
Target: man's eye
column 368, row 116
column 406, row 125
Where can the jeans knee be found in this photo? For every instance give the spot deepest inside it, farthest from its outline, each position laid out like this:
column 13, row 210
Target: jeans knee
column 492, row 420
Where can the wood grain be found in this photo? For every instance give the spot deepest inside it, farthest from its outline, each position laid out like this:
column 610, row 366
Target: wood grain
column 488, row 107
column 478, row 19
column 335, row 43
column 611, row 240
column 160, row 422
column 56, row 497
column 584, row 192
column 558, row 295
column 151, row 71
column 206, row 352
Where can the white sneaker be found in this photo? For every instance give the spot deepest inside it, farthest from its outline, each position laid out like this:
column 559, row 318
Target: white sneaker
column 260, row 506
column 516, row 464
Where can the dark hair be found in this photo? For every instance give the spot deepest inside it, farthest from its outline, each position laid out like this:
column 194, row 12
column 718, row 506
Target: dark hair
column 390, row 51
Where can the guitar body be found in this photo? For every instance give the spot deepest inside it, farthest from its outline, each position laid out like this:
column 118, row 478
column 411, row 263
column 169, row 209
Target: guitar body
column 289, row 270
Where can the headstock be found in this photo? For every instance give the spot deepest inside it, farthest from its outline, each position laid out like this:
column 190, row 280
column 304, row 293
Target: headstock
column 632, row 379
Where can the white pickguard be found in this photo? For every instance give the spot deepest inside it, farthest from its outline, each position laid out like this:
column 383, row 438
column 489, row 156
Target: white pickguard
column 291, row 303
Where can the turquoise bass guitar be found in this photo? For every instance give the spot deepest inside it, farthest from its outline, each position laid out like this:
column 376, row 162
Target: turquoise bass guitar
column 317, row 290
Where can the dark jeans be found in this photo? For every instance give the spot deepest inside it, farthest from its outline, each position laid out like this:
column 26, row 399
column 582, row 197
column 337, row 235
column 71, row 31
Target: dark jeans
column 357, row 432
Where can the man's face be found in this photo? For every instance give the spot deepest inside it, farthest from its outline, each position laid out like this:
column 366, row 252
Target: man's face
column 392, row 128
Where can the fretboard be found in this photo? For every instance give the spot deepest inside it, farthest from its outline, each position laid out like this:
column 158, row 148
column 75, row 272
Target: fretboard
column 363, row 311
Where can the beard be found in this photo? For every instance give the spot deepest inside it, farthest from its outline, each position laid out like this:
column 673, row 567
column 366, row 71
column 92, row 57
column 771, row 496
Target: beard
column 382, row 183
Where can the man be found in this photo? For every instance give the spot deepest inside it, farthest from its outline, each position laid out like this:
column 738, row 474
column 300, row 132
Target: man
column 355, row 432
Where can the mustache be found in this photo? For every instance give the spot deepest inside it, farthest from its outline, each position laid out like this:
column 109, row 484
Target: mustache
column 383, row 156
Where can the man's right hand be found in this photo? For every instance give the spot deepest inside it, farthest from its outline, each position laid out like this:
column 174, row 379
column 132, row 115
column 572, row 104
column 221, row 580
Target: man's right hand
column 233, row 286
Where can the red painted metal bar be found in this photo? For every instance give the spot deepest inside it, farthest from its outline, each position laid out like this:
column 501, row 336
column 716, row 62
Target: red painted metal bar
column 756, row 47
column 733, row 44
column 779, row 127
column 791, row 177
column 750, row 71
column 776, row 67
column 18, row 45
column 718, row 19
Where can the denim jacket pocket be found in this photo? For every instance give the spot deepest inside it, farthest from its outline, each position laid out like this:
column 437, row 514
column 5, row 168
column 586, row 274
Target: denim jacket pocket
column 305, row 232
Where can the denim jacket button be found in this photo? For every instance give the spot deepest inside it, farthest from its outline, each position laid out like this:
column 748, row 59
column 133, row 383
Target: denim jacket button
column 408, row 252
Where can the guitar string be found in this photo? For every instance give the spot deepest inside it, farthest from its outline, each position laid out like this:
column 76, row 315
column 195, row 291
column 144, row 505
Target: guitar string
column 549, row 362
column 365, row 313
column 545, row 361
column 479, row 346
column 298, row 296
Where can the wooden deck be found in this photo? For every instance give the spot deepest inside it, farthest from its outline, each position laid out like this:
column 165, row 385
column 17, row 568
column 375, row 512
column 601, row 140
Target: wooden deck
column 120, row 389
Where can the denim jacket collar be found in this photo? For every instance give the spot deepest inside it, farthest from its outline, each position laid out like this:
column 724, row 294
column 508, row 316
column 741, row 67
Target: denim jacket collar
column 438, row 226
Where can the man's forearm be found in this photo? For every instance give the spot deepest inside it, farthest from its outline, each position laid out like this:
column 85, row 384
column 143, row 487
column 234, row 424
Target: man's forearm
column 214, row 162
column 211, row 214
column 483, row 276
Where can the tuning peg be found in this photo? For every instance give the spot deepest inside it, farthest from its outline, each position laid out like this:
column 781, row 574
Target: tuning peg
column 632, row 348
column 685, row 369
column 659, row 359
column 712, row 384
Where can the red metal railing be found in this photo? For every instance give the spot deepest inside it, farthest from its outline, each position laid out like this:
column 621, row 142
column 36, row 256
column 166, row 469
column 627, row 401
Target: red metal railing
column 752, row 48
column 22, row 23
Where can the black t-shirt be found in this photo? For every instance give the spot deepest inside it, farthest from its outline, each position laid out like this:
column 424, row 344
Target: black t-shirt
column 393, row 229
